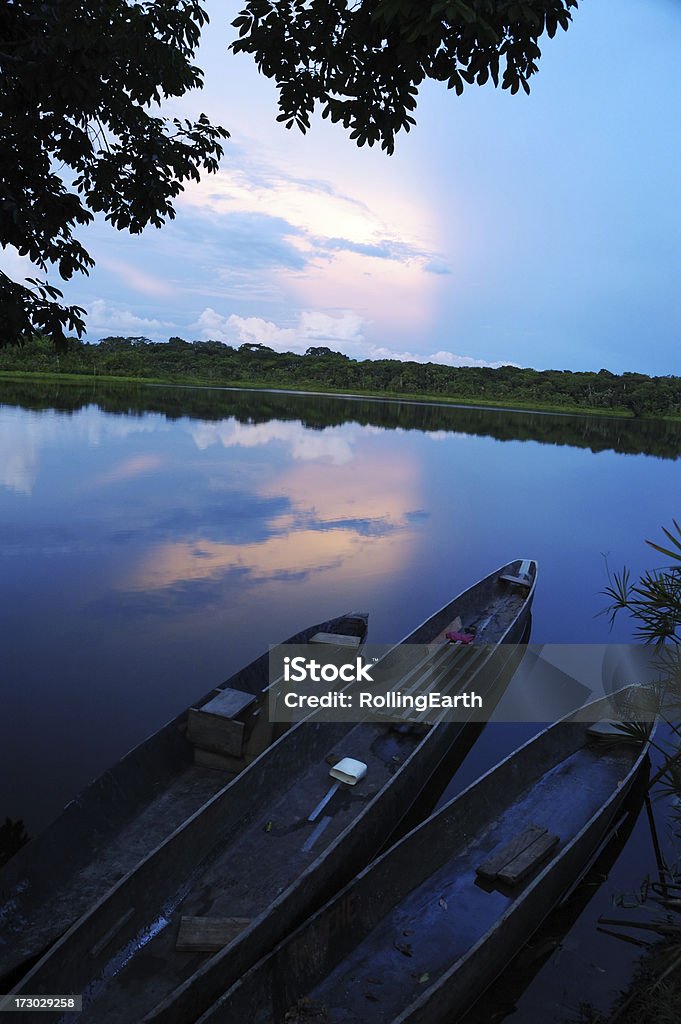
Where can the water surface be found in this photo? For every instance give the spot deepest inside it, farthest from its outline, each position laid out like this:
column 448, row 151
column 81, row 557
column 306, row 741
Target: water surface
column 153, row 540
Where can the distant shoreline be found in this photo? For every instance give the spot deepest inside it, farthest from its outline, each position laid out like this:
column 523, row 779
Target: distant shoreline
column 467, row 402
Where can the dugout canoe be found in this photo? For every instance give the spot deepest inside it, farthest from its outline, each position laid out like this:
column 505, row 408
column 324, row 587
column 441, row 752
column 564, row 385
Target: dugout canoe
column 122, row 816
column 252, row 861
column 424, row 930
column 547, row 942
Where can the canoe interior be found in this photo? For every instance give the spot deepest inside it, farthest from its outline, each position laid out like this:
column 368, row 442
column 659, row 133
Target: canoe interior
column 443, row 917
column 247, row 853
column 113, row 824
column 401, row 927
column 509, row 988
column 490, row 606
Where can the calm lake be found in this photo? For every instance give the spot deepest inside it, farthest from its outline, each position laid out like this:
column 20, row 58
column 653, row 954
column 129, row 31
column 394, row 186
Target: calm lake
column 153, row 540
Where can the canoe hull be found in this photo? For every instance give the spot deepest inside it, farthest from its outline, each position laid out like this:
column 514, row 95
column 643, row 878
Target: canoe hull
column 461, row 987
column 358, row 844
column 53, row 880
column 297, row 969
column 103, row 940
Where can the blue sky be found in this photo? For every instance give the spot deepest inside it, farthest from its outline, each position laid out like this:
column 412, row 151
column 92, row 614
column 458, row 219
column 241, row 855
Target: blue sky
column 543, row 231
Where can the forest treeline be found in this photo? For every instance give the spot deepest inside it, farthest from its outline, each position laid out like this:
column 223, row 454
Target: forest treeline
column 320, row 368
column 660, row 438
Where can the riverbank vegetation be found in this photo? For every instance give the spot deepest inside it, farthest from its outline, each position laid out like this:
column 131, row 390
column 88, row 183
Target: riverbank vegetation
column 69, row 393
column 654, row 603
column 321, row 369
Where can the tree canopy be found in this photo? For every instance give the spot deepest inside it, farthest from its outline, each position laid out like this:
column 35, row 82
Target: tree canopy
column 363, row 62
column 320, row 369
column 82, row 86
column 81, row 133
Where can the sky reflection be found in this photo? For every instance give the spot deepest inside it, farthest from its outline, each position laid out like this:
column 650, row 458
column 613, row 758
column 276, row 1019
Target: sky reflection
column 145, row 556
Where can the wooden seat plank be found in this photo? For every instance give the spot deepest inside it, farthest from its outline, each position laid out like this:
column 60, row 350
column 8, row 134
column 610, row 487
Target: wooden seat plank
column 215, row 726
column 338, row 639
column 507, row 853
column 519, row 581
column 208, row 934
column 228, row 703
column 528, row 860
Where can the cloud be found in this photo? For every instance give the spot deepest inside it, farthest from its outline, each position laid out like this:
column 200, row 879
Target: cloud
column 312, row 327
column 338, row 523
column 442, row 357
column 129, row 469
column 246, row 240
column 104, row 318
column 385, row 249
column 272, row 218
column 346, row 331
column 310, row 206
column 17, row 267
column 25, row 438
column 437, row 266
column 333, row 444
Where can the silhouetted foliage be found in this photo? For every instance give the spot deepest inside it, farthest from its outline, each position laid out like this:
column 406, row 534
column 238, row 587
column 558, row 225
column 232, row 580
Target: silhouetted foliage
column 363, row 63
column 77, row 81
column 321, row 369
column 654, row 600
column 660, row 438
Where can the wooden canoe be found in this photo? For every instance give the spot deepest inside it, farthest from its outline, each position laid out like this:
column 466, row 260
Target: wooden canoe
column 545, row 945
column 122, row 816
column 421, row 933
column 252, row 852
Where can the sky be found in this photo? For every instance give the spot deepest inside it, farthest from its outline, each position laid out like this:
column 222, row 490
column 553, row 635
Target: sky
column 541, row 231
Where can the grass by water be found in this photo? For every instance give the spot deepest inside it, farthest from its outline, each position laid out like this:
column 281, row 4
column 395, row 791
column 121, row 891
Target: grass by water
column 466, row 401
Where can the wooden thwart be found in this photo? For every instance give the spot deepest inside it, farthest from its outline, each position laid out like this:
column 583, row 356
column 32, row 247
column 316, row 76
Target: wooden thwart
column 514, row 860
column 528, row 860
column 504, row 854
column 208, row 934
column 215, row 726
column 338, row 639
column 519, row 581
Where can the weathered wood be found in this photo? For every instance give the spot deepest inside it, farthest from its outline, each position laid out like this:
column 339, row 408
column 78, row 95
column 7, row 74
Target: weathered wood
column 519, row 581
column 528, row 860
column 215, row 725
column 117, row 821
column 229, row 703
column 503, row 855
column 245, row 842
column 423, row 890
column 208, row 934
column 222, row 736
column 453, row 627
column 338, row 639
column 261, row 734
column 209, row 759
column 102, row 943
